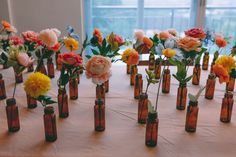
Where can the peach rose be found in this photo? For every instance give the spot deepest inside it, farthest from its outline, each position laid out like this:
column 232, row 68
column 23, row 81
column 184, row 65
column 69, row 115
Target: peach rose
column 98, row 34
column 16, row 41
column 196, row 33
column 147, row 42
column 221, row 72
column 70, row 58
column 220, row 41
column 98, row 68
column 164, row 35
column 23, row 59
column 30, row 36
column 48, row 37
column 139, row 35
column 172, row 32
column 189, row 44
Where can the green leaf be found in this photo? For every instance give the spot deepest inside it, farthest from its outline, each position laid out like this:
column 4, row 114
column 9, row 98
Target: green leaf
column 95, row 52
column 88, row 56
column 188, row 79
column 150, row 107
column 192, row 98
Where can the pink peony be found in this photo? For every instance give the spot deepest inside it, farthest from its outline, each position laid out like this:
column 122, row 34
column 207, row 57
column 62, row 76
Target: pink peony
column 23, row 59
column 48, row 37
column 16, row 41
column 30, row 36
column 139, row 35
column 98, row 68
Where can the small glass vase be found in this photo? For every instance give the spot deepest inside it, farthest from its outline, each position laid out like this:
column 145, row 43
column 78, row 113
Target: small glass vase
column 2, row 88
column 18, row 78
column 134, row 71
column 157, row 69
column 166, row 81
column 42, row 68
column 50, row 67
column 12, row 115
column 99, row 115
column 62, row 99
column 50, row 127
column 181, row 97
column 151, row 62
column 196, row 74
column 205, row 61
column 31, row 102
column 106, row 86
column 191, row 117
column 210, row 87
column 138, row 86
column 73, row 88
column 152, row 130
column 226, row 107
column 128, row 69
column 143, row 108
column 230, row 84
column 100, row 92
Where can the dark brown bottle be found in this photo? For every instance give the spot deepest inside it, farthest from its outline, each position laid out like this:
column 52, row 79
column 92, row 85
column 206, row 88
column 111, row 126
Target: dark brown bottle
column 99, row 115
column 212, row 64
column 31, row 102
column 4, row 66
column 166, row 81
column 181, row 97
column 73, row 87
column 78, row 76
column 30, row 68
column 18, row 78
column 210, row 86
column 138, row 86
column 100, row 92
column 226, row 107
column 191, row 117
column 50, row 127
column 230, row 84
column 157, row 69
column 12, row 115
column 196, row 74
column 151, row 62
column 134, row 71
column 152, row 130
column 50, row 67
column 106, row 85
column 62, row 99
column 205, row 61
column 42, row 68
column 143, row 108
column 128, row 69
column 216, row 55
column 2, row 88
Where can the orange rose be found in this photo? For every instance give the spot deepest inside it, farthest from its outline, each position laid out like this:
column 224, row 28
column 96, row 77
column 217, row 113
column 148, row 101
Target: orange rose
column 8, row 27
column 133, row 58
column 220, row 41
column 164, row 35
column 70, row 58
column 98, row 34
column 196, row 33
column 221, row 72
column 56, row 47
column 147, row 42
column 189, row 44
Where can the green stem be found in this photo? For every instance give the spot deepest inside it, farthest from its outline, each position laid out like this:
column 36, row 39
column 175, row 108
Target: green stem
column 14, row 90
column 147, row 87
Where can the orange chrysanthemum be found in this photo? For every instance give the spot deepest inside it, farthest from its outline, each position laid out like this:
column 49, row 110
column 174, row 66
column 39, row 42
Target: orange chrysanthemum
column 147, row 42
column 221, row 72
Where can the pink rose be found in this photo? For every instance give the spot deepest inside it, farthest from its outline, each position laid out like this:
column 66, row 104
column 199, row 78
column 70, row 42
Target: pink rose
column 70, row 58
column 48, row 37
column 23, row 59
column 30, row 36
column 98, row 68
column 139, row 34
column 196, row 33
column 119, row 39
column 16, row 41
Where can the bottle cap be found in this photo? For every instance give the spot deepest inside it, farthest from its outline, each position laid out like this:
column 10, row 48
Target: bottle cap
column 143, row 96
column 48, row 110
column 99, row 102
column 11, row 101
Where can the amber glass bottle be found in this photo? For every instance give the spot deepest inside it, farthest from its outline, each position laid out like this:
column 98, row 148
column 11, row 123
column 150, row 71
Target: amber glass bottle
column 100, row 92
column 191, row 117
column 212, row 64
column 151, row 130
column 106, row 86
column 62, row 99
column 42, row 68
column 134, row 71
column 50, row 127
column 50, row 67
column 230, row 84
column 99, row 115
column 205, row 61
column 210, row 86
column 166, row 81
column 73, row 87
column 138, row 86
column 30, row 68
column 128, row 69
column 12, row 115
column 2, row 88
column 196, row 74
column 143, row 108
column 226, row 108
column 157, row 69
column 31, row 102
column 181, row 97
column 151, row 62
column 18, row 78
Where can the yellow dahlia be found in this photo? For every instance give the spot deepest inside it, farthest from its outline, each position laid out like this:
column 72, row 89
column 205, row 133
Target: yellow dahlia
column 71, row 44
column 227, row 62
column 37, row 84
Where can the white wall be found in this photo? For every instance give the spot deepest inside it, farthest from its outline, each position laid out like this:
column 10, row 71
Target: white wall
column 40, row 14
